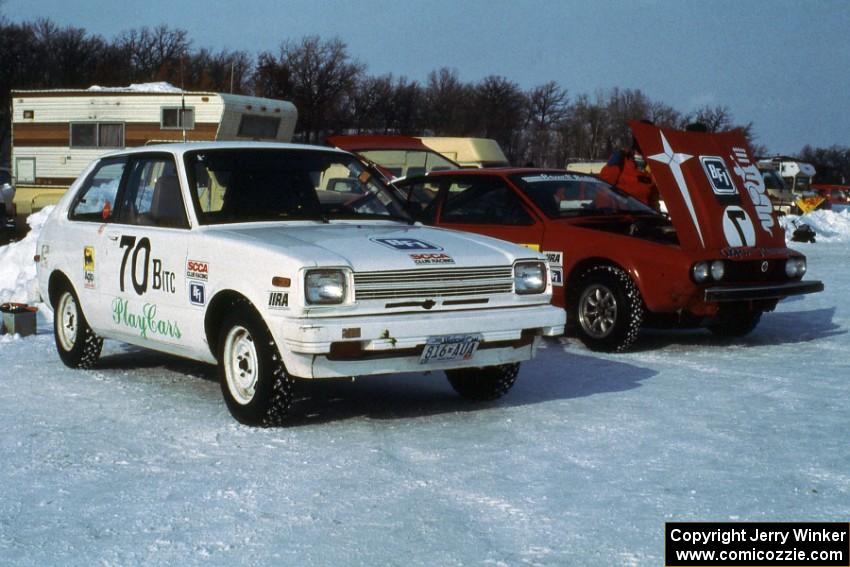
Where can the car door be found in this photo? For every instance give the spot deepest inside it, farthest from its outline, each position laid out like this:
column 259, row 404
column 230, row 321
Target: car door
column 83, row 246
column 487, row 205
column 146, row 258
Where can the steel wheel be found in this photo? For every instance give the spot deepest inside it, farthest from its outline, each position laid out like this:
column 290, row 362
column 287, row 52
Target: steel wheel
column 66, row 330
column 241, row 364
column 597, row 311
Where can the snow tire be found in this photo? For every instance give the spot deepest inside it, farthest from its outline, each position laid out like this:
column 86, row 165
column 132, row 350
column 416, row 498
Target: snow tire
column 254, row 382
column 606, row 309
column 483, row 384
column 77, row 344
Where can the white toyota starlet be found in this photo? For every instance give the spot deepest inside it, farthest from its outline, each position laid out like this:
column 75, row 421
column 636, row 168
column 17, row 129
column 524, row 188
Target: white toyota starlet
column 278, row 262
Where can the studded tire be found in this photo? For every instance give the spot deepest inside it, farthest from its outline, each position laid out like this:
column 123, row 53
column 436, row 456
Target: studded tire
column 483, row 384
column 737, row 323
column 606, row 309
column 78, row 346
column 254, row 382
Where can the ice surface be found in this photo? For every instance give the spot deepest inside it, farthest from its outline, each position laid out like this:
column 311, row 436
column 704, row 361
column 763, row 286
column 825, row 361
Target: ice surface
column 138, row 462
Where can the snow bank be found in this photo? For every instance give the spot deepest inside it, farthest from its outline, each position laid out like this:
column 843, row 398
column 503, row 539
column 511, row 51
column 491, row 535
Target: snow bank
column 161, row 87
column 830, row 226
column 17, row 269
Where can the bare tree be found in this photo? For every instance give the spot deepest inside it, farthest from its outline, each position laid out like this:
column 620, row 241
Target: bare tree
column 547, row 108
column 499, row 106
column 155, row 54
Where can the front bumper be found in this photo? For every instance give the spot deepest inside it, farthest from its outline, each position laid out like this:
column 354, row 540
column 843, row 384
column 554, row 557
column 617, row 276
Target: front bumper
column 386, row 344
column 765, row 291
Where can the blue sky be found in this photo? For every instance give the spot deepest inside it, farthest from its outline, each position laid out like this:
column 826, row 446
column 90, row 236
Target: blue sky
column 785, row 66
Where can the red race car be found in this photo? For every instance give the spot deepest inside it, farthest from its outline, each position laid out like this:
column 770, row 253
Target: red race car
column 718, row 259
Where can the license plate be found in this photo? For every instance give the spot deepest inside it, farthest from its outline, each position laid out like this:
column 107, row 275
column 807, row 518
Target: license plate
column 452, row 347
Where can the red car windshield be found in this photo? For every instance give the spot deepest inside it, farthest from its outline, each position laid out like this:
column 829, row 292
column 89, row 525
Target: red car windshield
column 561, row 195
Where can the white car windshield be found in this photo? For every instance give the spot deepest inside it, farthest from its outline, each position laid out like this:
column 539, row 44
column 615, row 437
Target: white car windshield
column 257, row 185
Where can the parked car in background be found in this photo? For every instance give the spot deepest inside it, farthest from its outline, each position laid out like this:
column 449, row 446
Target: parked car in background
column 837, row 197
column 397, row 157
column 7, row 205
column 279, row 262
column 719, row 259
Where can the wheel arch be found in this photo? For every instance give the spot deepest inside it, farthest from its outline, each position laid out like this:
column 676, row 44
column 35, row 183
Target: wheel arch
column 216, row 311
column 57, row 281
column 583, row 266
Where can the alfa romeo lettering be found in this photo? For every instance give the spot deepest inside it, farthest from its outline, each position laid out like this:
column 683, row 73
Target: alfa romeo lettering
column 143, row 270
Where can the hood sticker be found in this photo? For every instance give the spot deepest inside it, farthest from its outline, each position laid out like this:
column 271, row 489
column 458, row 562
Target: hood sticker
column 754, row 184
column 431, row 259
column 401, row 243
column 675, row 161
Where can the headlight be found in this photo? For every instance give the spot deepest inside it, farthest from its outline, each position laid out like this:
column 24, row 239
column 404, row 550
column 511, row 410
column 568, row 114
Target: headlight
column 795, row 267
column 718, row 269
column 700, row 271
column 529, row 277
column 325, row 287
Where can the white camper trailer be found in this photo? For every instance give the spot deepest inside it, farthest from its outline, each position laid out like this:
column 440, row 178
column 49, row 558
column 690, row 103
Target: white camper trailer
column 57, row 133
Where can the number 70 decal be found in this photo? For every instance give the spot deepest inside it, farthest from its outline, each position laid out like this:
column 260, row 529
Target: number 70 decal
column 738, row 227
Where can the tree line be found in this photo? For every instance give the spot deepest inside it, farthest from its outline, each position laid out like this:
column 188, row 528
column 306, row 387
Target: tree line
column 545, row 125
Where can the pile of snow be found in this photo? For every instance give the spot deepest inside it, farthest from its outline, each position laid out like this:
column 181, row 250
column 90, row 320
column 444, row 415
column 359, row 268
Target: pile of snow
column 18, row 281
column 830, row 226
column 161, row 87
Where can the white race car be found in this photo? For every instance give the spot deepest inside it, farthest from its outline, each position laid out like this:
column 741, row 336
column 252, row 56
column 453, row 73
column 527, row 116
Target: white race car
column 282, row 261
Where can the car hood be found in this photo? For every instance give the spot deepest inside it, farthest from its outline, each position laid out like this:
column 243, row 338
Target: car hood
column 370, row 247
column 714, row 192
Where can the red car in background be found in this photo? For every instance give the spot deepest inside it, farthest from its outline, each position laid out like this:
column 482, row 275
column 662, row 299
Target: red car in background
column 718, row 259
column 837, row 196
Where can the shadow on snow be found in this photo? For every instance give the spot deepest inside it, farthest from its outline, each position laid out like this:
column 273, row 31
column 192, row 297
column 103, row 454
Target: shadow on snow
column 555, row 374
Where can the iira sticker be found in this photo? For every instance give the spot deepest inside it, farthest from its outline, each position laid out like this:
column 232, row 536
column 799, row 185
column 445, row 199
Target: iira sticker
column 554, row 258
column 278, row 300
column 431, row 259
column 406, row 243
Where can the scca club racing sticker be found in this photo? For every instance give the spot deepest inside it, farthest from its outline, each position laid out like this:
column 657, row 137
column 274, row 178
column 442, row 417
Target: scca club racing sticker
column 88, row 267
column 406, row 244
column 278, row 300
column 196, row 270
column 430, row 259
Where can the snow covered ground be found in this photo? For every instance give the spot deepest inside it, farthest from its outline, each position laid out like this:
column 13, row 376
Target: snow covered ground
column 138, row 461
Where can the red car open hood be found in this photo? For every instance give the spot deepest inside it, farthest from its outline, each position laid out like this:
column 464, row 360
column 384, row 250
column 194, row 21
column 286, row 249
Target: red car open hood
column 713, row 191
column 355, row 144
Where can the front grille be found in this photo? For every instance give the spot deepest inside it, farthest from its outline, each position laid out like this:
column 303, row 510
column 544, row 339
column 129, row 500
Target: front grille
column 433, row 282
column 751, row 271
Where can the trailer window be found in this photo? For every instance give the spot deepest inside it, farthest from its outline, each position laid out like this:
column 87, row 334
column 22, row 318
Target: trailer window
column 177, row 118
column 97, row 135
column 258, row 127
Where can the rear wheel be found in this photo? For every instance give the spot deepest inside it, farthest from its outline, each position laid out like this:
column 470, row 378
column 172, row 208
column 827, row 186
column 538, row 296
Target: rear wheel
column 254, row 382
column 483, row 384
column 77, row 344
column 607, row 309
column 735, row 323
